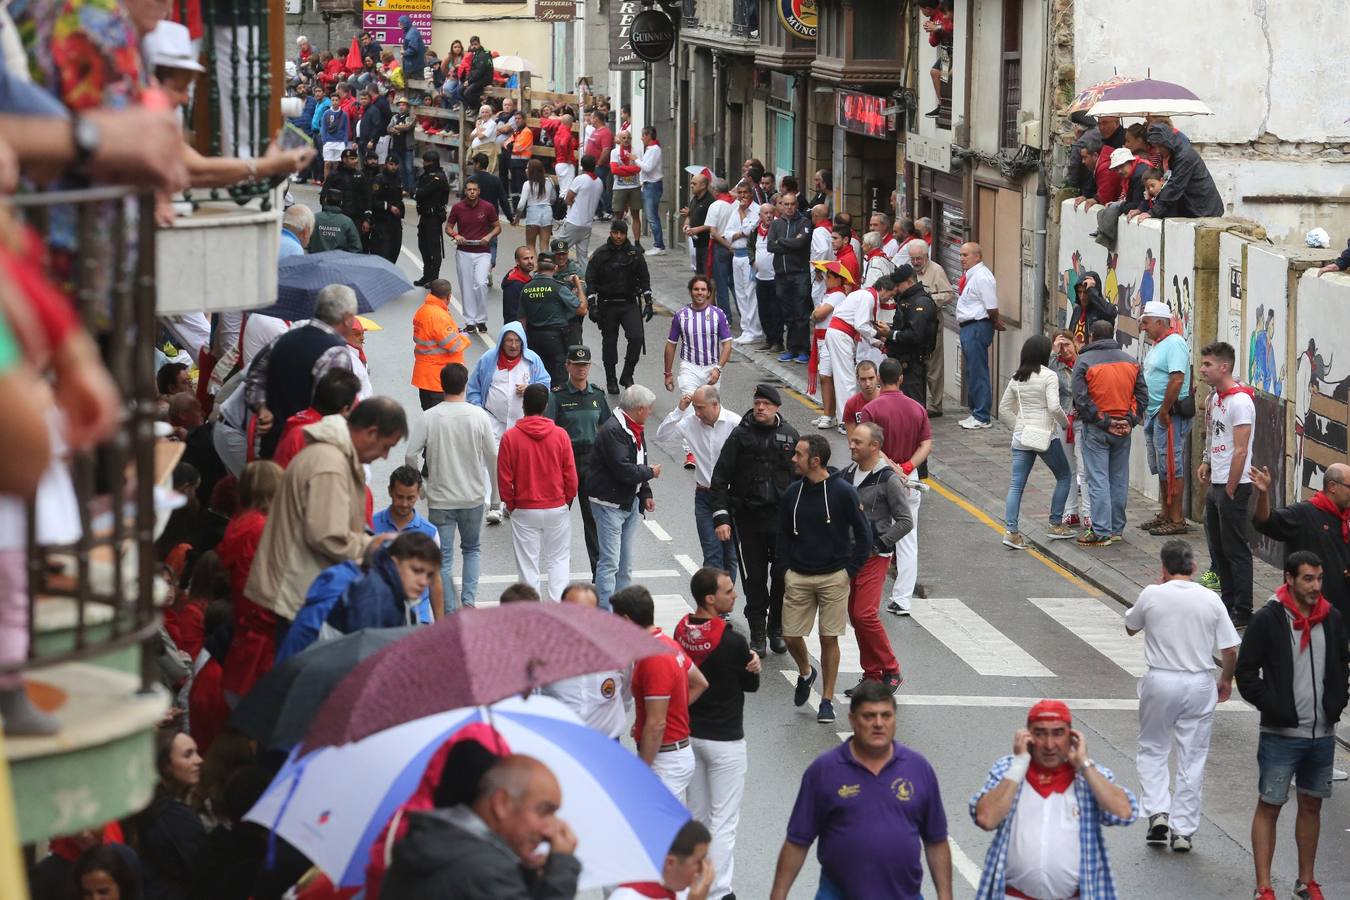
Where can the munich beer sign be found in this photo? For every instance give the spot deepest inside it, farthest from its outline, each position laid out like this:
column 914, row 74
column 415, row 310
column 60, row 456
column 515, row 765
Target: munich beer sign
column 861, row 113
column 798, row 17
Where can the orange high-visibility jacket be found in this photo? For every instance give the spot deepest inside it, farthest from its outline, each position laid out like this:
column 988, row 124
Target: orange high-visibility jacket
column 437, row 342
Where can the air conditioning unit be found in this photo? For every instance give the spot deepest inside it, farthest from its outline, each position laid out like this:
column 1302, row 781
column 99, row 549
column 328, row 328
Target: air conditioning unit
column 1031, row 133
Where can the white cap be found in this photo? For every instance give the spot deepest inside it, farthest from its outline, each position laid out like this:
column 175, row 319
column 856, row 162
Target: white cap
column 1120, row 156
column 1157, row 309
column 170, row 47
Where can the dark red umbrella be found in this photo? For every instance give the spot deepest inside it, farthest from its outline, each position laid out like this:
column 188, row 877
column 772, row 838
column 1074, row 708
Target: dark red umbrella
column 475, row 657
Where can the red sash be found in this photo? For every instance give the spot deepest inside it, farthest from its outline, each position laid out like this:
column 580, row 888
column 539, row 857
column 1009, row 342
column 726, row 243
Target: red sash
column 839, row 324
column 813, row 364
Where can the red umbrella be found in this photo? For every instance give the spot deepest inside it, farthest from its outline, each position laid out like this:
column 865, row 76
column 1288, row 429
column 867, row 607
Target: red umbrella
column 354, row 61
column 475, row 658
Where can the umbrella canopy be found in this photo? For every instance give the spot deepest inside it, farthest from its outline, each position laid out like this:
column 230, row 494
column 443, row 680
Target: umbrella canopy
column 332, row 804
column 1088, row 96
column 277, row 711
column 474, row 658
column 1149, row 97
column 300, row 278
column 513, row 64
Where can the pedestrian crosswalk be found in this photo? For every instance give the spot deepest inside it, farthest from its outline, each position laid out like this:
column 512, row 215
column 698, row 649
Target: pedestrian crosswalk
column 1100, row 626
column 974, row 640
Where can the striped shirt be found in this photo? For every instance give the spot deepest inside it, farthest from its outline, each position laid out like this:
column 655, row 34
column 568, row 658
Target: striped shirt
column 700, row 333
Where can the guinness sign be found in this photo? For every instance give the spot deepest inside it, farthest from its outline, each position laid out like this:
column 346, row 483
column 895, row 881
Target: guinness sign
column 798, row 17
column 652, row 35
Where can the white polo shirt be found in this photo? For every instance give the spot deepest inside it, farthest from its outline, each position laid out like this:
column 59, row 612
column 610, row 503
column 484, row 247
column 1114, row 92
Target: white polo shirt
column 1183, row 624
column 1043, row 852
column 979, row 296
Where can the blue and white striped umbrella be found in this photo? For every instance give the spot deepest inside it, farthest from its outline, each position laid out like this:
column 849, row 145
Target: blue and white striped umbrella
column 332, row 803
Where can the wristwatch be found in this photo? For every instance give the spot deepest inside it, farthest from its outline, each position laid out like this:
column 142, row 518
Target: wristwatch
column 87, row 136
column 1090, row 764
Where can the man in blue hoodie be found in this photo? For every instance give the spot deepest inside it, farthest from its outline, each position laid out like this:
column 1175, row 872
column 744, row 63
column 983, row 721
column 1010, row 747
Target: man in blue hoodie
column 388, row 594
column 823, row 541
column 414, row 49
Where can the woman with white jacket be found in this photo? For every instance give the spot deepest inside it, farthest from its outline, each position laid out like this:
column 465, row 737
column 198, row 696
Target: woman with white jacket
column 1031, row 401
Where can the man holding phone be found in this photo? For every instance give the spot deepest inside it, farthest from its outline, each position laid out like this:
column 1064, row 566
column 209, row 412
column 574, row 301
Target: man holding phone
column 1049, row 793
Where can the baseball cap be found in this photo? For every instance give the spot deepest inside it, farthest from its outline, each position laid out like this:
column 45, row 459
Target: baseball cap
column 1050, row 711
column 578, row 354
column 1157, row 309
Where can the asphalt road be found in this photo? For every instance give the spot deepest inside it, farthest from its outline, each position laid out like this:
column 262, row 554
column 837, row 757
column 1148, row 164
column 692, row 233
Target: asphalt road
column 1002, row 630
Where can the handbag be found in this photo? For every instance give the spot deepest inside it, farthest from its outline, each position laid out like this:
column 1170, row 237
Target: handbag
column 1184, row 407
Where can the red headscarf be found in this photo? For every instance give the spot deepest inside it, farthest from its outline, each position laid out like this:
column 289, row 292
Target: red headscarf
column 1321, row 609
column 1042, row 780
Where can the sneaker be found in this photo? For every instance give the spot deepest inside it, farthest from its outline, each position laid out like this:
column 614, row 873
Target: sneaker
column 826, row 715
column 842, row 429
column 1093, row 539
column 787, row 356
column 1015, row 540
column 1117, row 538
column 893, row 681
column 969, row 422
column 896, row 609
column 494, row 517
column 803, row 691
column 689, row 460
column 802, row 358
column 1264, row 894
column 1072, row 521
column 1157, row 829
column 933, row 113
column 1241, row 618
column 656, row 251
column 1339, row 774
column 848, row 692
column 1062, row 531
column 825, row 423
column 1308, row 890
column 1210, row 580
column 1181, row 843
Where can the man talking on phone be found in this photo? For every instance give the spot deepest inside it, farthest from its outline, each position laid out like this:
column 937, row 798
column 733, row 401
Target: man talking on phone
column 1049, row 794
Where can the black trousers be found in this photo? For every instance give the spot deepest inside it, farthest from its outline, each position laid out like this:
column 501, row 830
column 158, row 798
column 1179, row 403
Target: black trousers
column 794, row 310
column 701, row 257
column 431, row 244
column 551, row 346
column 613, row 316
column 915, row 384
column 429, row 398
column 766, row 299
column 587, row 516
column 1230, row 553
column 763, row 576
column 386, row 238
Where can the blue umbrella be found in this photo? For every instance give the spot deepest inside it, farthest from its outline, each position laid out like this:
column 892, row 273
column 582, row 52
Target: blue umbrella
column 300, row 278
column 331, row 803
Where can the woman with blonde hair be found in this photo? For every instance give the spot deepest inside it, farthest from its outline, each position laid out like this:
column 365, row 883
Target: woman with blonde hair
column 254, row 643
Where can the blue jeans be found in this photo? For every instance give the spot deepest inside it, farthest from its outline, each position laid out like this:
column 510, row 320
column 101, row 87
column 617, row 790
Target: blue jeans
column 718, row 554
column 721, row 275
column 1155, row 438
column 606, row 204
column 651, row 211
column 1106, row 465
column 406, row 171
column 1022, row 461
column 614, row 529
column 976, row 338
column 470, row 524
column 1306, row 761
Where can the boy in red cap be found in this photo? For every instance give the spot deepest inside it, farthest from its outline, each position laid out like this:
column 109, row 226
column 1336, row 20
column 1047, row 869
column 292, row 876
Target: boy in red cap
column 1065, row 798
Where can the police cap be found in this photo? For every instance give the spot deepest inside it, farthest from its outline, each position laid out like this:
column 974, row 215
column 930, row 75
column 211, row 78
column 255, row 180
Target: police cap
column 558, row 245
column 578, row 354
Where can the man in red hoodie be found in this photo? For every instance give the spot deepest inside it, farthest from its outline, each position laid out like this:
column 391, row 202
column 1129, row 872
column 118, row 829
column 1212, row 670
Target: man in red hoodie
column 532, row 455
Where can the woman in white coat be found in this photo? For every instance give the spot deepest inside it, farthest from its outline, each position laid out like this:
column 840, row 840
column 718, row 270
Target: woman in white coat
column 1031, row 402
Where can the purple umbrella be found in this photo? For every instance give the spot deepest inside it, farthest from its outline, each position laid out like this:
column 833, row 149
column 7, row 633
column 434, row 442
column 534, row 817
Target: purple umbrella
column 1149, row 97
column 475, row 658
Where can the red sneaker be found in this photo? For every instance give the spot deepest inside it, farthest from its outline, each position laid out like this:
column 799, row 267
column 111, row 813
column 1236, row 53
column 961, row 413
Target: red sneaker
column 1308, row 890
column 1264, row 894
column 689, row 460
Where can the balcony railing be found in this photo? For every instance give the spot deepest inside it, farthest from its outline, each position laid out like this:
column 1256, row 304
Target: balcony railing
column 732, row 20
column 97, row 596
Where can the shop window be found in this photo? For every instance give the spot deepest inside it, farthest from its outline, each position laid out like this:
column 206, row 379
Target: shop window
column 875, row 30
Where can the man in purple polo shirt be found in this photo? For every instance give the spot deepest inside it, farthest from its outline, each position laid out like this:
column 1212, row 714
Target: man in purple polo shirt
column 872, row 802
column 702, row 336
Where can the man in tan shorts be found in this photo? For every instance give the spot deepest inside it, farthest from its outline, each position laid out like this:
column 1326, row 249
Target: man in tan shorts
column 823, row 539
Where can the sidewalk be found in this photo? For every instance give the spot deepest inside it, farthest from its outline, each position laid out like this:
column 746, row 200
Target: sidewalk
column 976, row 465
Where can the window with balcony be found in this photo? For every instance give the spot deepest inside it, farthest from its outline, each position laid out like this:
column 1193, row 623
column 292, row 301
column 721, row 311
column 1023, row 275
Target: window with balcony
column 1011, row 93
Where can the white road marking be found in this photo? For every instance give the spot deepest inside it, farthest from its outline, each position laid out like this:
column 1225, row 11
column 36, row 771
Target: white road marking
column 669, row 610
column 988, row 701
column 686, row 562
column 814, row 702
column 964, row 865
column 974, row 641
column 454, row 304
column 657, row 531
column 1100, row 626
column 639, row 575
column 412, row 257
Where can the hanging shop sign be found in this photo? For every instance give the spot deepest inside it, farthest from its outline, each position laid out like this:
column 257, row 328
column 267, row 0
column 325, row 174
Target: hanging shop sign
column 622, row 56
column 798, row 17
column 652, row 35
column 861, row 113
column 380, row 18
column 555, row 10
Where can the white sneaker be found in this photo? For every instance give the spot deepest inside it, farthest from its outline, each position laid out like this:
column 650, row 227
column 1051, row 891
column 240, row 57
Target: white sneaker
column 826, row 422
column 1339, row 774
column 969, row 422
column 842, row 429
column 656, row 251
column 494, row 517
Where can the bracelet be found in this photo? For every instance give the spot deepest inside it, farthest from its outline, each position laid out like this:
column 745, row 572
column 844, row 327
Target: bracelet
column 1017, row 769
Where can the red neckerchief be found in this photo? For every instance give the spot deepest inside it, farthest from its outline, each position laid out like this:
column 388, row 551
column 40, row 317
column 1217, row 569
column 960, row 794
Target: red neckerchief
column 699, row 638
column 505, row 364
column 1326, row 505
column 360, row 352
column 1301, row 622
column 873, row 254
column 825, row 227
column 635, row 428
column 727, row 197
column 1235, row 389
column 650, row 889
column 762, row 230
column 1050, row 781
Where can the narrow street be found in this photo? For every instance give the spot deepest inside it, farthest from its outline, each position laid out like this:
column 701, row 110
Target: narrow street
column 998, row 631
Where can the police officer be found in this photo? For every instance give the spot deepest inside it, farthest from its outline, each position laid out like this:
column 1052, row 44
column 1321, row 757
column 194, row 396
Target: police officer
column 386, row 211
column 547, row 305
column 615, row 279
column 355, row 189
column 433, row 196
column 579, row 408
column 568, row 273
column 913, row 332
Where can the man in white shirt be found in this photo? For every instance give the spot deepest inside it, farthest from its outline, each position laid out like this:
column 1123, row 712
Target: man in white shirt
column 741, row 224
column 720, row 262
column 457, row 443
column 822, row 250
column 766, row 298
column 880, row 225
column 852, row 328
column 600, row 699
column 704, row 425
column 651, row 180
column 1183, row 623
column 977, row 316
column 583, row 196
column 1230, row 427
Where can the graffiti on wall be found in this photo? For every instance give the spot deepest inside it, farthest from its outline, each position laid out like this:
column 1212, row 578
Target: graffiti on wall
column 1268, row 452
column 1266, row 321
column 1178, row 275
column 1321, row 384
column 1231, row 286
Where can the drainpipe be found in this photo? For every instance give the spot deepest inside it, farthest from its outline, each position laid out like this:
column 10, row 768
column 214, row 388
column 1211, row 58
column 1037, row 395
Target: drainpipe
column 1038, row 251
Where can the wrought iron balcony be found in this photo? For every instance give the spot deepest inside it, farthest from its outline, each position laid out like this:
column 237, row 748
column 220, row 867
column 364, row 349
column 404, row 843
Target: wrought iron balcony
column 727, row 24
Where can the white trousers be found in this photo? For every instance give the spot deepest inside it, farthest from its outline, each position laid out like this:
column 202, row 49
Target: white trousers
column 542, row 540
column 1175, row 708
column 907, row 551
column 843, row 363
column 472, row 270
column 565, row 172
column 747, row 300
column 231, row 446
column 675, row 768
column 715, row 800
